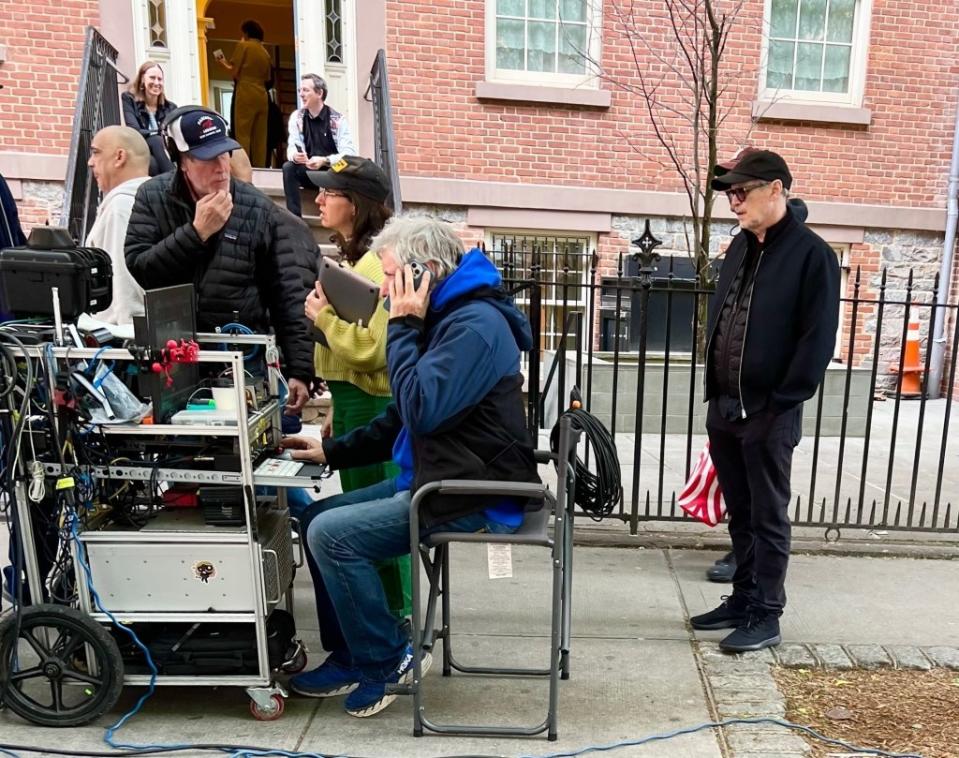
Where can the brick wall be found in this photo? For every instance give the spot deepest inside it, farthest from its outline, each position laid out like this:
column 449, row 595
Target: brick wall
column 44, row 40
column 436, row 56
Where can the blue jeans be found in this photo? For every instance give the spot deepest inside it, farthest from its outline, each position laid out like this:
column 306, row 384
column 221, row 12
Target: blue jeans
column 345, row 534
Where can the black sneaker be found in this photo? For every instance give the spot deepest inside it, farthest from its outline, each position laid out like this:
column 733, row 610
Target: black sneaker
column 732, row 612
column 760, row 630
column 723, row 570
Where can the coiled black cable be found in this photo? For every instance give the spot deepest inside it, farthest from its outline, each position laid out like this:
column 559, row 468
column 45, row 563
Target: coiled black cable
column 599, row 493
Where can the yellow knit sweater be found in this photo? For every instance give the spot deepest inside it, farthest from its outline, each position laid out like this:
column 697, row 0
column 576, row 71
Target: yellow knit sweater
column 356, row 352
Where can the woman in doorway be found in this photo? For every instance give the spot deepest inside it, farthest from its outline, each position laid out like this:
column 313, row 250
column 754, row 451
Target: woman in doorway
column 251, row 67
column 353, row 360
column 145, row 106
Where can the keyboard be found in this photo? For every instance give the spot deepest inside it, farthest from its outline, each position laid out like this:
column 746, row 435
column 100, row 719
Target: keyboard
column 278, row 467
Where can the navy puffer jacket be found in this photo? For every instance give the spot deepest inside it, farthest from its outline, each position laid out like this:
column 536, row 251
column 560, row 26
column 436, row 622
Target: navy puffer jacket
column 260, row 266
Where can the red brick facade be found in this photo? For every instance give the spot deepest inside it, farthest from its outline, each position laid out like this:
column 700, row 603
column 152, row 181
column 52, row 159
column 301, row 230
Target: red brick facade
column 436, row 54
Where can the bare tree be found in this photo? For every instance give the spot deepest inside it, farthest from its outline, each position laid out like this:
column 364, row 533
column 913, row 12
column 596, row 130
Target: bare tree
column 677, row 72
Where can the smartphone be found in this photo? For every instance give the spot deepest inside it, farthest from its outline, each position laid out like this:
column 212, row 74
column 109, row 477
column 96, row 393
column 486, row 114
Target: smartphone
column 218, row 54
column 299, row 148
column 418, row 270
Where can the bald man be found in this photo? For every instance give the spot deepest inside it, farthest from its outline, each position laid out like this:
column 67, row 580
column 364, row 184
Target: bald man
column 120, row 160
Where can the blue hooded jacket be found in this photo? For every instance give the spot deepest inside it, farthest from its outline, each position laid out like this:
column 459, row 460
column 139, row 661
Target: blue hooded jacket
column 470, row 343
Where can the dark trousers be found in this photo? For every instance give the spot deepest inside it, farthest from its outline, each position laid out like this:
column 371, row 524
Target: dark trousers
column 295, row 178
column 160, row 162
column 753, row 460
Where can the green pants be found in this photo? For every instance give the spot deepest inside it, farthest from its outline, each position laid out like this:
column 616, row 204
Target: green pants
column 353, row 408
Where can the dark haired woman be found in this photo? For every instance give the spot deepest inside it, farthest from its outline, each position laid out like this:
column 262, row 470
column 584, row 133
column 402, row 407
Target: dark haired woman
column 144, row 108
column 251, row 67
column 353, row 362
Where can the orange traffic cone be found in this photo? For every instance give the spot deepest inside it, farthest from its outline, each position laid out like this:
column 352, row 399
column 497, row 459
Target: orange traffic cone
column 910, row 377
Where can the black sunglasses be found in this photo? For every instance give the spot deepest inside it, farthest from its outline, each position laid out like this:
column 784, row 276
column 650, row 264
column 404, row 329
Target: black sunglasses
column 739, row 193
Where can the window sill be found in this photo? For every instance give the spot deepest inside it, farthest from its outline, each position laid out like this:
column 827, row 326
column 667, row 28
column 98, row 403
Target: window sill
column 535, row 93
column 823, row 113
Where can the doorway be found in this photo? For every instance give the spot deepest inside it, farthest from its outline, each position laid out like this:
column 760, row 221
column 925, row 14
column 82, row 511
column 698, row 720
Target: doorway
column 221, row 20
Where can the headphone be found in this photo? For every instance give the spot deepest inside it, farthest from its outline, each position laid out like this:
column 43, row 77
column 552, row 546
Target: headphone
column 168, row 142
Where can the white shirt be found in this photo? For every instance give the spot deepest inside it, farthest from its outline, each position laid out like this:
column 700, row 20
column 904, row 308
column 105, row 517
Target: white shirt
column 109, row 232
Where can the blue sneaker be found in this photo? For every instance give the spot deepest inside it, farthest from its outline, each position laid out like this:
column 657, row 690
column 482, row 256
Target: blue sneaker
column 331, row 678
column 371, row 696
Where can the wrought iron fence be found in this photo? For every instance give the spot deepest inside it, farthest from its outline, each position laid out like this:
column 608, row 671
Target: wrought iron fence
column 872, row 456
column 98, row 105
column 384, row 143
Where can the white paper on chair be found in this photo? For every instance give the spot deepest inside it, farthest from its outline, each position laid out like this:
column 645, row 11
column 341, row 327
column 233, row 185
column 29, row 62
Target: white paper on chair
column 500, row 560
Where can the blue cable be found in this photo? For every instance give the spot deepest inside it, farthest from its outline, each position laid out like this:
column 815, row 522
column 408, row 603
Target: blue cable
column 726, row 722
column 111, row 730
column 237, row 328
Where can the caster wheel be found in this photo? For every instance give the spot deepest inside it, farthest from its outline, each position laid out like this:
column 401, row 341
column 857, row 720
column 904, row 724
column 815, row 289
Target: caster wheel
column 271, row 713
column 297, row 664
column 62, row 667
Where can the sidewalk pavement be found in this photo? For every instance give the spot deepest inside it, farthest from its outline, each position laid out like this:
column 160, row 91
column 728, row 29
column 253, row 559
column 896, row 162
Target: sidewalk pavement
column 637, row 668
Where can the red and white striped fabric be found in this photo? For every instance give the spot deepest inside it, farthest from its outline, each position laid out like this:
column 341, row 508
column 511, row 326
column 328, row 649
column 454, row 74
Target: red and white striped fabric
column 701, row 498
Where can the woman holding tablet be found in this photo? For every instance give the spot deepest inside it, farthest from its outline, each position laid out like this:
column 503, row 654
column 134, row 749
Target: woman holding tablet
column 353, row 361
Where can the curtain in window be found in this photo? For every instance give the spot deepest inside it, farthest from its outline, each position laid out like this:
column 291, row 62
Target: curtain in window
column 810, row 45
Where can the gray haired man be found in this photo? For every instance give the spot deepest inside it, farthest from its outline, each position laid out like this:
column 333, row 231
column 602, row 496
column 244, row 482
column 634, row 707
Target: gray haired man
column 453, row 352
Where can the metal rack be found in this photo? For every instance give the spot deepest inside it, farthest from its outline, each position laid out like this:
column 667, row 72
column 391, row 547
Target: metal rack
column 177, row 568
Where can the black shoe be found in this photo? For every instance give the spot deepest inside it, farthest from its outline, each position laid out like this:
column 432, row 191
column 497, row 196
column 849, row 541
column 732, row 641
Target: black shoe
column 732, row 612
column 723, row 570
column 760, row 630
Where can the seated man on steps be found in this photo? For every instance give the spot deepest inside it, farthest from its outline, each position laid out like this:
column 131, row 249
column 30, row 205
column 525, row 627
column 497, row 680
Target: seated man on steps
column 453, row 353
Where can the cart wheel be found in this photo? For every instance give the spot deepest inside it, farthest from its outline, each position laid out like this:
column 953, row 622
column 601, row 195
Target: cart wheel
column 271, row 713
column 62, row 667
column 296, row 665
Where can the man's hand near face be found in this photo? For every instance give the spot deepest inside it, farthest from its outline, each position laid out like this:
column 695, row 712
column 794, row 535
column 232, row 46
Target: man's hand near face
column 212, row 213
column 405, row 298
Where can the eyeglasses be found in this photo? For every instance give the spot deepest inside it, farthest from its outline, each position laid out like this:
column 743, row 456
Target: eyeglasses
column 739, row 193
column 325, row 193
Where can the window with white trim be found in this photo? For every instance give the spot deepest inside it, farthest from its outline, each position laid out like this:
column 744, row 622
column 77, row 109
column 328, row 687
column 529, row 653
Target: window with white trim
column 841, row 351
column 815, row 50
column 548, row 42
column 564, row 265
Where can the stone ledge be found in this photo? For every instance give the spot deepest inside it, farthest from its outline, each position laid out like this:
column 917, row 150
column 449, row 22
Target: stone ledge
column 533, row 93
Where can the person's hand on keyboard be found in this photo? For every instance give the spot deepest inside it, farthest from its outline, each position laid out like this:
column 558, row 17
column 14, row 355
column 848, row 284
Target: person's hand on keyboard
column 304, row 448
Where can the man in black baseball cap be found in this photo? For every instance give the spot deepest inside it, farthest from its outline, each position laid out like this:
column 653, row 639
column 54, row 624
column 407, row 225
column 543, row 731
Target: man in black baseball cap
column 197, row 225
column 771, row 332
column 351, row 172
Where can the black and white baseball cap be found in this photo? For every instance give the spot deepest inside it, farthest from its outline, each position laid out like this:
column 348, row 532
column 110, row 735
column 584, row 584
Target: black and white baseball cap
column 199, row 132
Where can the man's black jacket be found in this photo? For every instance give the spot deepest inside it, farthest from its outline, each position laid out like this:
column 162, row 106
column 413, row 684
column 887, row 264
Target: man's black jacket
column 793, row 316
column 260, row 264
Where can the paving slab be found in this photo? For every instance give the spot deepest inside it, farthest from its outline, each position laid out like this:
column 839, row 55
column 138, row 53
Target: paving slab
column 833, row 656
column 620, row 689
column 616, row 593
column 908, row 657
column 846, row 599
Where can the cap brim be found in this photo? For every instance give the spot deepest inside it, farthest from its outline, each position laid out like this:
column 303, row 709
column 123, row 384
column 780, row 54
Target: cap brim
column 326, row 179
column 213, row 149
column 729, row 178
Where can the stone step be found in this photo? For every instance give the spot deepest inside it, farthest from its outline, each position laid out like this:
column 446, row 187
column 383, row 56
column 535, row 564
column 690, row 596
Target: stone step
column 270, row 182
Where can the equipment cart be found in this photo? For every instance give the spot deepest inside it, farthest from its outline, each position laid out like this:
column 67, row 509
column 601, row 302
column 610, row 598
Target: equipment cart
column 177, row 580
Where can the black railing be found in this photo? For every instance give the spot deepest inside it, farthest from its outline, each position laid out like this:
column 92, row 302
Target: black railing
column 384, row 142
column 98, row 105
column 870, row 458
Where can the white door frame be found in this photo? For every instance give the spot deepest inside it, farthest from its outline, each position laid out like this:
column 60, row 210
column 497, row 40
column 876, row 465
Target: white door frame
column 310, row 30
column 179, row 59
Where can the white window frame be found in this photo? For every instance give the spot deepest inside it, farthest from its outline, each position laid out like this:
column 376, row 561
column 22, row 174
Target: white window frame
column 843, row 251
column 858, row 60
column 578, row 296
column 589, row 79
